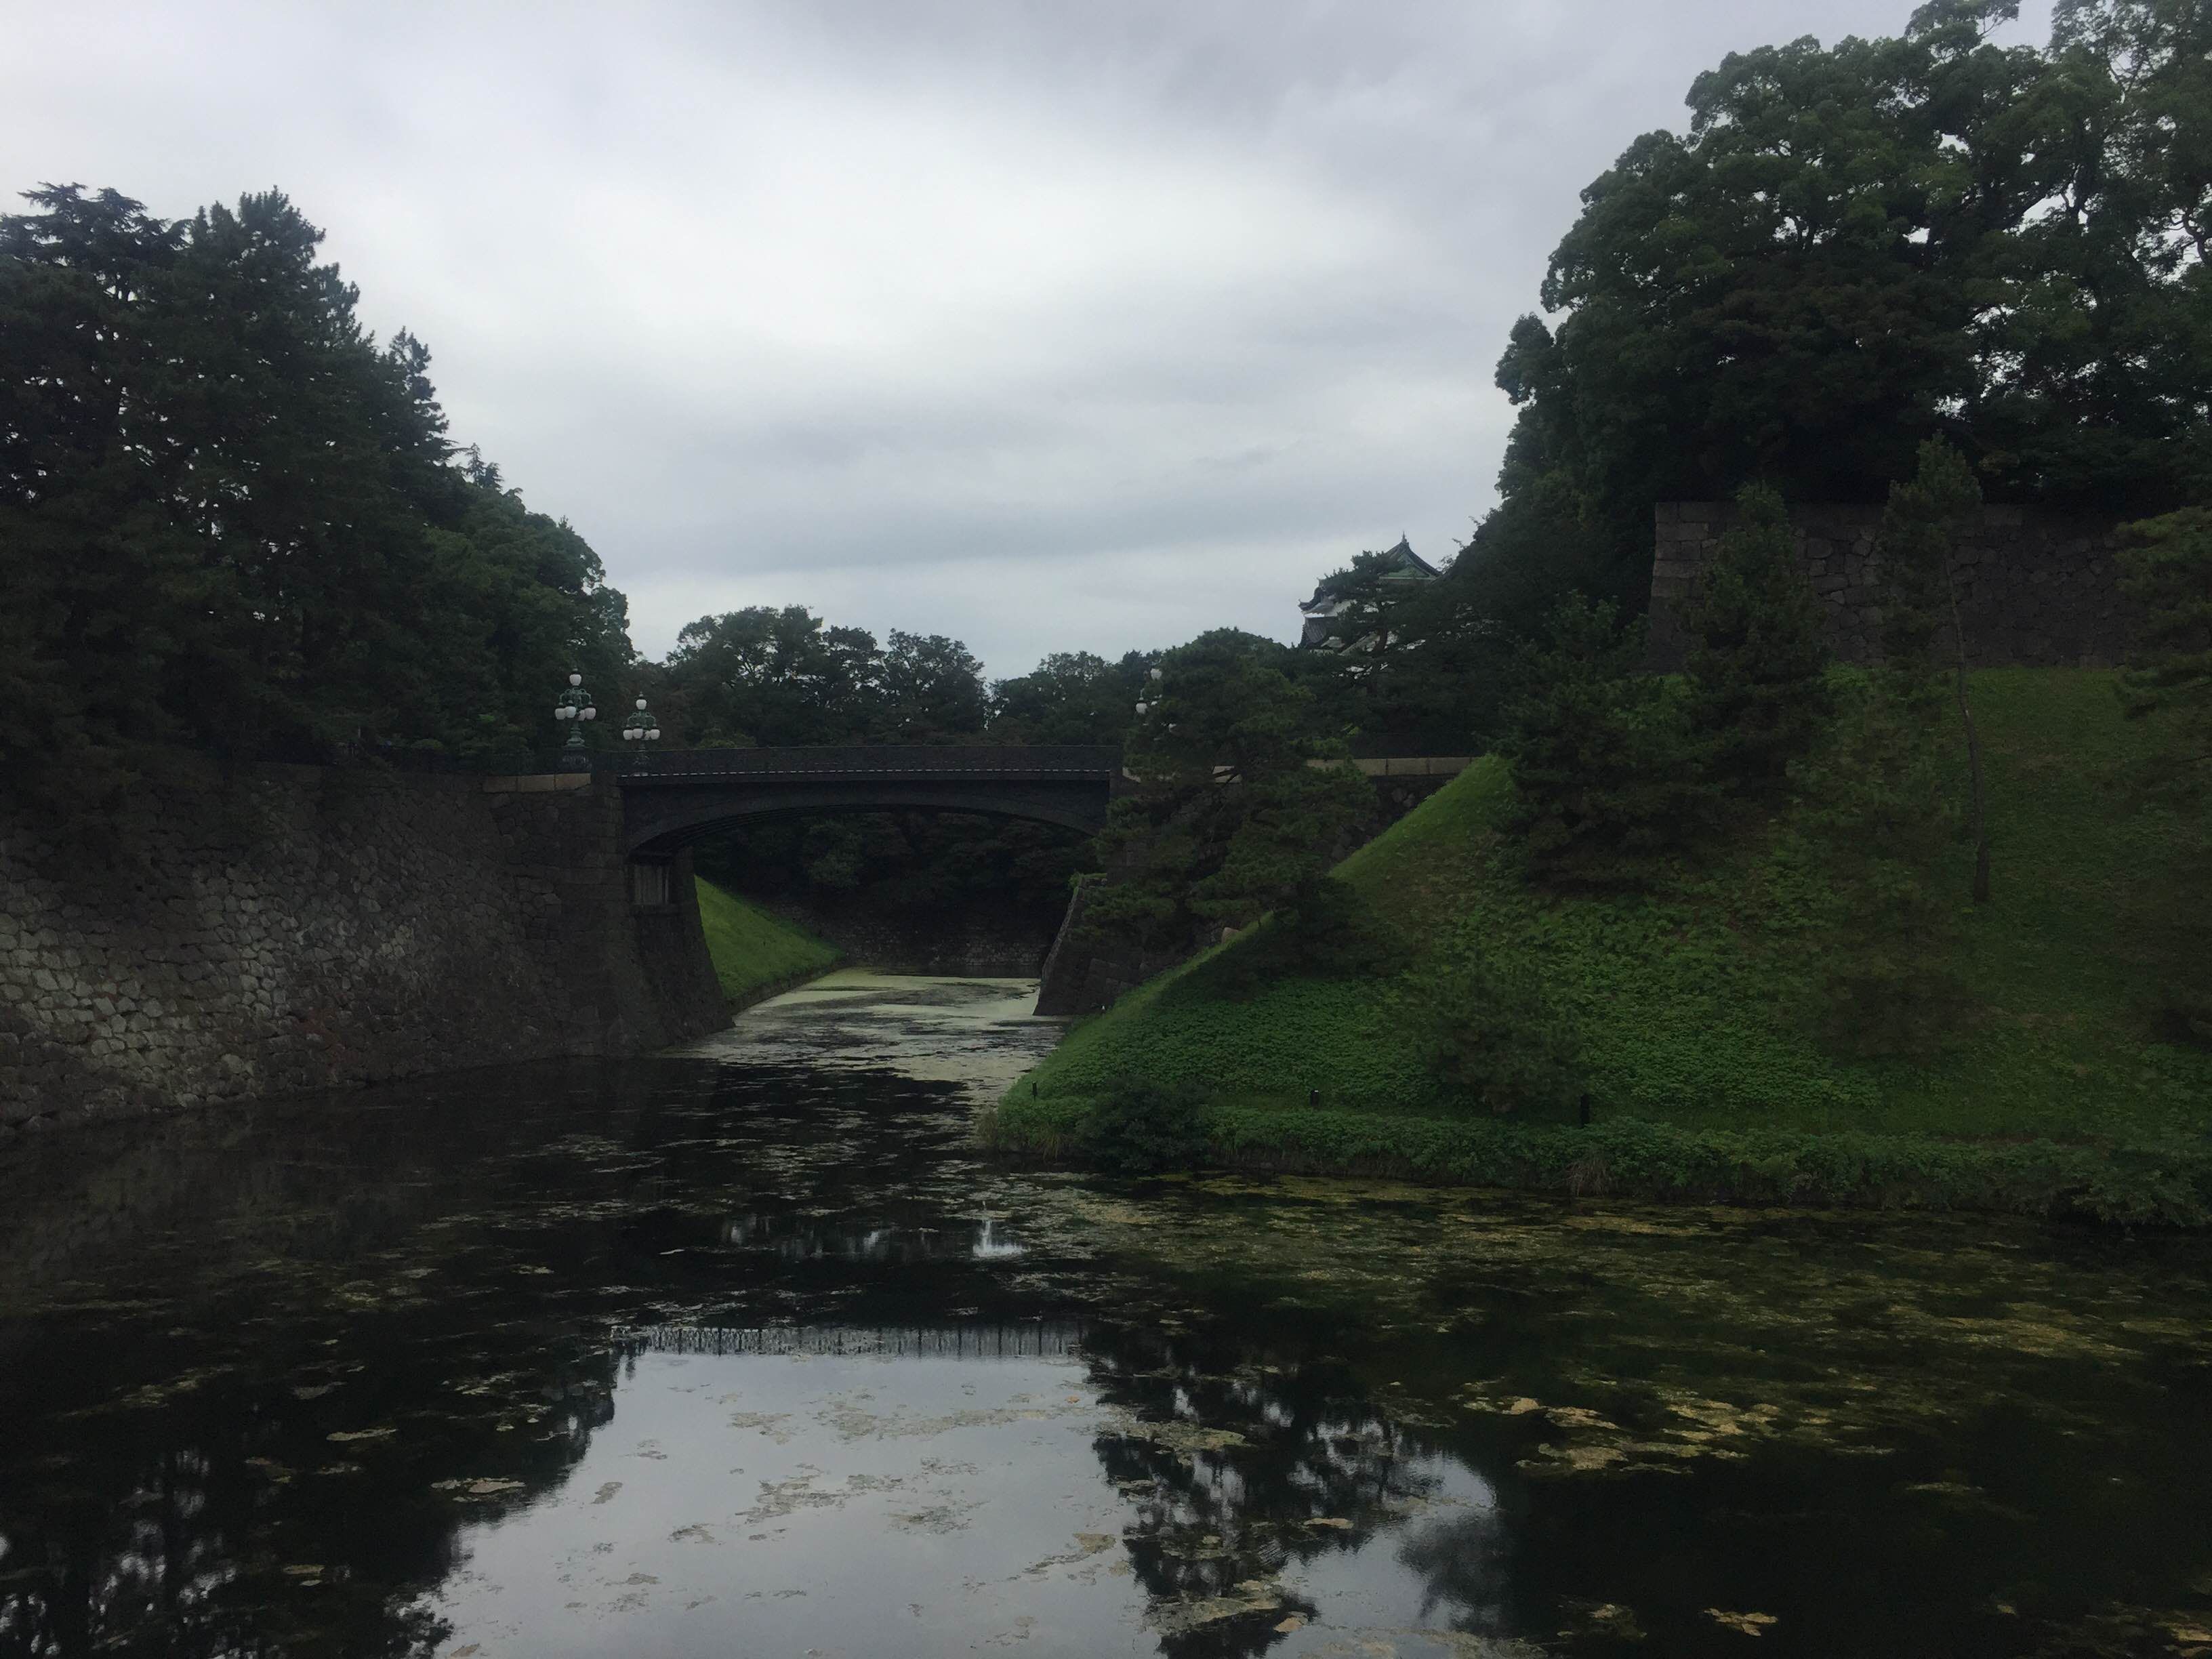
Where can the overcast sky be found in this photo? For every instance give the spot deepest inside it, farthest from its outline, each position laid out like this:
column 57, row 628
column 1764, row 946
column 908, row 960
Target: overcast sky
column 1053, row 326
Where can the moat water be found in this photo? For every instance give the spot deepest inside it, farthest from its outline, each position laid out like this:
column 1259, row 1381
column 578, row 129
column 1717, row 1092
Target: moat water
column 745, row 1351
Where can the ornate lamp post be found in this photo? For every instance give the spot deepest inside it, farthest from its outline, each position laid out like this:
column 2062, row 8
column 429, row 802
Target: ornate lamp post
column 640, row 727
column 1152, row 691
column 575, row 706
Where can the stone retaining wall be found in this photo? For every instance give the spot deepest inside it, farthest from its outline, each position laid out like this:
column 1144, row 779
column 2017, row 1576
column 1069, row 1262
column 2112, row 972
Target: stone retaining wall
column 2035, row 589
column 1085, row 974
column 288, row 928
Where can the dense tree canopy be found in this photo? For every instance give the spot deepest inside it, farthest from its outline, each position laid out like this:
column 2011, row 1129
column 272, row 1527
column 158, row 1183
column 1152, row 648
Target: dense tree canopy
column 1858, row 247
column 1232, row 816
column 232, row 519
column 1391, row 669
column 1071, row 697
column 773, row 676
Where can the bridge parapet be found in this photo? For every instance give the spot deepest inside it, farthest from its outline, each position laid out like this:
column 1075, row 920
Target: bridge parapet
column 908, row 761
column 672, row 797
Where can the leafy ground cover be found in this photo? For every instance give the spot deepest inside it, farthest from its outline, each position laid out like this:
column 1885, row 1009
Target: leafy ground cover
column 756, row 954
column 1689, row 1006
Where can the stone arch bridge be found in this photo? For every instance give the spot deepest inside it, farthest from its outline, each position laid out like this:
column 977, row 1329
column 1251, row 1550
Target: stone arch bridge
column 671, row 800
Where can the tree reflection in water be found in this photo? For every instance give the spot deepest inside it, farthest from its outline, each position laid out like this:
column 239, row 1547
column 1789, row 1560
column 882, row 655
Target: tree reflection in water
column 249, row 1532
column 1245, row 1464
column 264, row 1375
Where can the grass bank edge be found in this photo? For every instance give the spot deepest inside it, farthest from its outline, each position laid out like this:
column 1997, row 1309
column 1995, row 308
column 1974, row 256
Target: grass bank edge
column 2164, row 1185
column 756, row 955
column 1680, row 996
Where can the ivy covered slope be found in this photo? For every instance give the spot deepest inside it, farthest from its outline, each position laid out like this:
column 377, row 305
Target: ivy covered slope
column 755, row 954
column 1689, row 1010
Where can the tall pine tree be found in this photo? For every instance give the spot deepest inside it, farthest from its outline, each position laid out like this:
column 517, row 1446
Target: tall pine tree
column 1757, row 668
column 1882, row 811
column 1599, row 750
column 2169, row 682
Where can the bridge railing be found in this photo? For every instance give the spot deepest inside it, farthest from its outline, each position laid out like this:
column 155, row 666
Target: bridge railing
column 898, row 759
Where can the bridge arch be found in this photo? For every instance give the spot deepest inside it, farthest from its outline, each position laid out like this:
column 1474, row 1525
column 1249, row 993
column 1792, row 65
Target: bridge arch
column 671, row 801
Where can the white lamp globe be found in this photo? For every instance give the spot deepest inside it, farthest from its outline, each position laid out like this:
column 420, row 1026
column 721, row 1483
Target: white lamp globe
column 640, row 703
column 575, row 679
column 591, row 713
column 653, row 733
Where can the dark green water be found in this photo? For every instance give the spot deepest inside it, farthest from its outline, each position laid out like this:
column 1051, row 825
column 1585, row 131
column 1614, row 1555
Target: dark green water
column 744, row 1351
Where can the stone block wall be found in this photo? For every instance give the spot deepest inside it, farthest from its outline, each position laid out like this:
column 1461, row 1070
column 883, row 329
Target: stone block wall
column 1083, row 974
column 2036, row 589
column 288, row 928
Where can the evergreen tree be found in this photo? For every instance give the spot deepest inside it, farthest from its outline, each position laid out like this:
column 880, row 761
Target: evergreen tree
column 1242, row 804
column 231, row 517
column 1859, row 247
column 2169, row 681
column 1922, row 637
column 931, row 690
column 2169, row 573
column 1070, row 697
column 774, row 676
column 1879, row 818
column 1599, row 749
column 1757, row 669
column 1880, row 809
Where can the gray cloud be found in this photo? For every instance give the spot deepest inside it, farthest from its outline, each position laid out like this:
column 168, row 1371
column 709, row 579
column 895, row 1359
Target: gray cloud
column 1050, row 326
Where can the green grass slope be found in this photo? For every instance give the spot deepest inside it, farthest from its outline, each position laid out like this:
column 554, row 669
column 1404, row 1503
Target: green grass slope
column 754, row 953
column 1688, row 1002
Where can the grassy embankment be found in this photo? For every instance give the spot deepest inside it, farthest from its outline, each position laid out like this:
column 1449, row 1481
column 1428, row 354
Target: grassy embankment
column 756, row 955
column 2055, row 1095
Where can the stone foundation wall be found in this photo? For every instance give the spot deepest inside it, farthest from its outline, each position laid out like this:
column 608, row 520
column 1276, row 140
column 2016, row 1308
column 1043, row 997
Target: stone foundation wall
column 290, row 928
column 1084, row 974
column 2035, row 589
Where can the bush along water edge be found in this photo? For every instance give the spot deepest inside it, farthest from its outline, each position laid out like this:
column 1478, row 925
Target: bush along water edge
column 2161, row 1186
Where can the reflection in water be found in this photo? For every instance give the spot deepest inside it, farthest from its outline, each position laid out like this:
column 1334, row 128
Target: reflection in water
column 737, row 1352
column 799, row 1239
column 1038, row 1338
column 1257, row 1484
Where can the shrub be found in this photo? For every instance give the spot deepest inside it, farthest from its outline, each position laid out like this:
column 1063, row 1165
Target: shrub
column 1140, row 1126
column 1331, row 932
column 1491, row 1034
